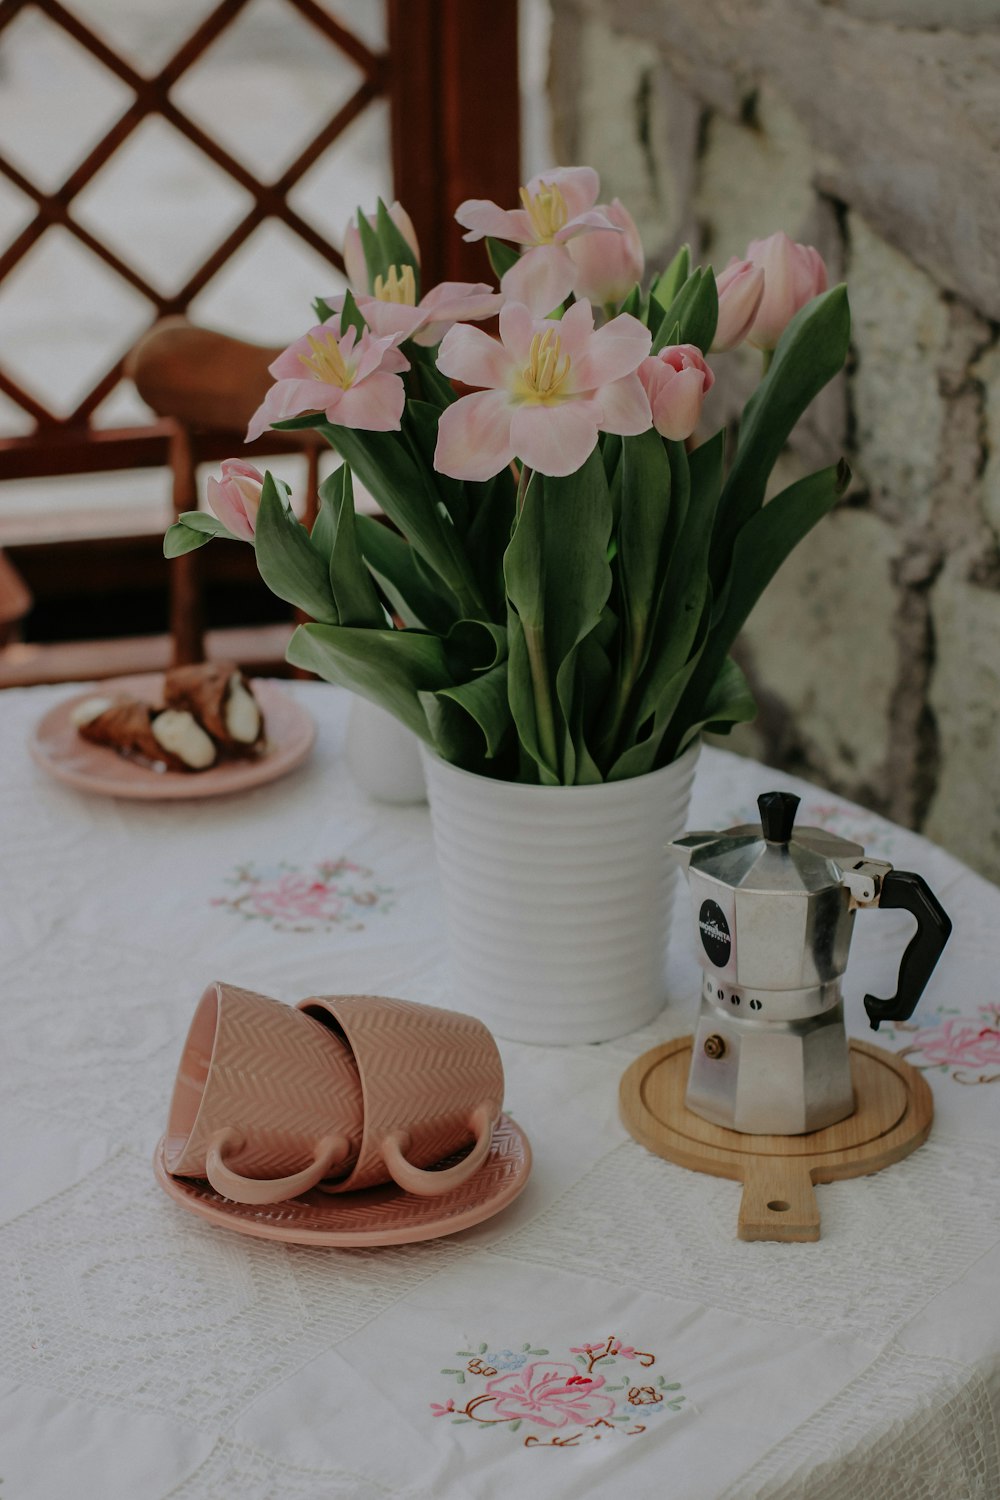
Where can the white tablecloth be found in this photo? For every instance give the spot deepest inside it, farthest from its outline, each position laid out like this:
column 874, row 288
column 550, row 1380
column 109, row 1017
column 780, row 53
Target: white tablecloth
column 146, row 1354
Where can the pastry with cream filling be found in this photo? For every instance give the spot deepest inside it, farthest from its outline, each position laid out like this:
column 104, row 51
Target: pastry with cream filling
column 221, row 699
column 160, row 736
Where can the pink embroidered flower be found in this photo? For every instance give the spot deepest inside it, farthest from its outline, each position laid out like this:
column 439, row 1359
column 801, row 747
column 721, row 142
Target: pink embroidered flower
column 354, row 382
column 546, row 390
column 235, row 497
column 960, row 1042
column 550, row 1394
column 438, row 1410
column 297, row 897
column 393, row 308
column 555, row 207
column 609, row 1346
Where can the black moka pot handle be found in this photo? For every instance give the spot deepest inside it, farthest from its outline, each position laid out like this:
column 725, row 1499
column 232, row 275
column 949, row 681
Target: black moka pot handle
column 901, row 888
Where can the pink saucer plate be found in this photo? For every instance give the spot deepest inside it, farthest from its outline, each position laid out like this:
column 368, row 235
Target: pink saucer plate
column 59, row 749
column 383, row 1215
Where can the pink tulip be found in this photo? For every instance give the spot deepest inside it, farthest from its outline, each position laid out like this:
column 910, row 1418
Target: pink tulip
column 793, row 275
column 236, row 497
column 676, row 382
column 740, row 288
column 354, row 257
column 608, row 266
column 393, row 307
column 354, row 382
column 556, row 206
column 546, row 389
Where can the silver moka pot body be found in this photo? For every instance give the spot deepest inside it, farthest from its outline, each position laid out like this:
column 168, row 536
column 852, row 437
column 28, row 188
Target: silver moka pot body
column 773, row 917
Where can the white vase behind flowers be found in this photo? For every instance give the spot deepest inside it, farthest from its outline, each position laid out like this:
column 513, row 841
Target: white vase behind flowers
column 551, row 608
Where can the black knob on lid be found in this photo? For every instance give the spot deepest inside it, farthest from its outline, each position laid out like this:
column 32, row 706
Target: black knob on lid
column 777, row 815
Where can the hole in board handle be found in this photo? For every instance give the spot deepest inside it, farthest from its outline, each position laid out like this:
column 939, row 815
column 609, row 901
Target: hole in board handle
column 779, row 1206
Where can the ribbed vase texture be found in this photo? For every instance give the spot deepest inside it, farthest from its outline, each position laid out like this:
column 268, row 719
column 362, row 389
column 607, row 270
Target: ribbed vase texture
column 558, row 899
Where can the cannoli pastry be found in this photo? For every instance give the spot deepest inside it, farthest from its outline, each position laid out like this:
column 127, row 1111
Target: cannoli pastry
column 157, row 735
column 221, row 700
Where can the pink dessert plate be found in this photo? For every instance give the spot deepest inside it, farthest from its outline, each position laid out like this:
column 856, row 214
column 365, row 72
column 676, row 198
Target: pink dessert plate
column 383, row 1215
column 58, row 748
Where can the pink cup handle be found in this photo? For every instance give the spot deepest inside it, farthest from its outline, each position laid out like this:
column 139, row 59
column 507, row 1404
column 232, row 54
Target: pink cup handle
column 331, row 1150
column 428, row 1184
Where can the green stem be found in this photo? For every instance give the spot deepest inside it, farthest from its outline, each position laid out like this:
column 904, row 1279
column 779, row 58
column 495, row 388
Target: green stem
column 522, row 487
column 544, row 719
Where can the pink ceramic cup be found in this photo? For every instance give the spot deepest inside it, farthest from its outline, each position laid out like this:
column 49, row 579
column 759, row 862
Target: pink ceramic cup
column 432, row 1082
column 267, row 1100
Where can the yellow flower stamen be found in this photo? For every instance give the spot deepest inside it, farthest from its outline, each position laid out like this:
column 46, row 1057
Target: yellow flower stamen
column 326, row 363
column 546, row 370
column 547, row 211
column 397, row 286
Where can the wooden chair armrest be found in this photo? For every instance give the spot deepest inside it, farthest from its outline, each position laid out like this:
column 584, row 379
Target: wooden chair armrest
column 201, row 378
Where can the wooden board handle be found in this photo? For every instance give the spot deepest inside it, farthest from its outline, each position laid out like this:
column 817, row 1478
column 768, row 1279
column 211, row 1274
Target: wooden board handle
column 779, row 1202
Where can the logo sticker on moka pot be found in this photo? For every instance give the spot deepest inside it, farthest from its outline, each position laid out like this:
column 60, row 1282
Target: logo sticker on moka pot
column 716, row 939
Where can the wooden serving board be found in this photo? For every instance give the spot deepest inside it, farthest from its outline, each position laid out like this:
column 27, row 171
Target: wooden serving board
column 892, row 1117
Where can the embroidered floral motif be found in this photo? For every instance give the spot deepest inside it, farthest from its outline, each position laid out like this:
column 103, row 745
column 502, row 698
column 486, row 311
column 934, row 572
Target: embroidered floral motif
column 569, row 1398
column 318, row 898
column 965, row 1048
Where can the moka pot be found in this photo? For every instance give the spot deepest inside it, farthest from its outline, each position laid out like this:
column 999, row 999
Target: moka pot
column 773, row 909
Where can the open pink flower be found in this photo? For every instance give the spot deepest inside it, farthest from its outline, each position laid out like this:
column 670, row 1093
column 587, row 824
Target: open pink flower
column 393, row 307
column 676, row 381
column 741, row 289
column 793, row 275
column 354, row 257
column 235, row 497
column 551, row 1394
column 555, row 207
column 608, row 266
column 547, row 388
column 354, row 382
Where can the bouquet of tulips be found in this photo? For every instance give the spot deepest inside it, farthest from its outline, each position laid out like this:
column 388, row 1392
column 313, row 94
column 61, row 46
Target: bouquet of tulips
column 566, row 564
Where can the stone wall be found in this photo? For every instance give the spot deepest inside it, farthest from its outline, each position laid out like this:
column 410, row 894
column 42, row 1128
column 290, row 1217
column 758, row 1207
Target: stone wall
column 871, row 129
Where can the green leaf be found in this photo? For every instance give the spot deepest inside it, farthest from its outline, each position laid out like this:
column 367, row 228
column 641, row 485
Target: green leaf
column 493, row 508
column 351, row 315
column 287, row 561
column 385, row 466
column 201, row 520
column 178, row 539
column 645, row 508
column 502, row 256
column 371, row 249
column 810, row 352
column 760, row 548
column 730, row 701
column 395, row 249
column 558, row 581
column 521, row 697
column 635, row 304
column 669, row 282
column 471, row 722
column 420, row 427
column 392, row 560
column 322, row 309
column 391, row 667
column 694, row 311
column 353, row 591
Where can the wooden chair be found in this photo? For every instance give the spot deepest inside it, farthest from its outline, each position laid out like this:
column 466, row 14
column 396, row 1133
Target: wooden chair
column 207, row 385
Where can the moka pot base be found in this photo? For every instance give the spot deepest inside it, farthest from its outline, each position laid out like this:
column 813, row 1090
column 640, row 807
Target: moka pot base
column 892, row 1117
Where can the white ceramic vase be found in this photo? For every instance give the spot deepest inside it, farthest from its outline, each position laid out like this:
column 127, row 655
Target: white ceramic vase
column 558, row 899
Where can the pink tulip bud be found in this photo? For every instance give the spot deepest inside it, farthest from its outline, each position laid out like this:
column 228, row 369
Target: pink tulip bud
column 741, row 289
column 236, row 497
column 793, row 275
column 354, row 257
column 676, row 381
column 608, row 265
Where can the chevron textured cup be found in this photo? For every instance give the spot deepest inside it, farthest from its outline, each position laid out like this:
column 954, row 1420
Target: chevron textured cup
column 267, row 1101
column 432, row 1082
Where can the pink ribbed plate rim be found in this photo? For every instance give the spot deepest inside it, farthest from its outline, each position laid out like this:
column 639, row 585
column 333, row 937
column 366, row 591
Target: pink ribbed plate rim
column 56, row 746
column 383, row 1215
